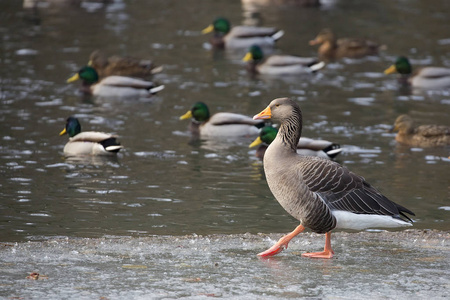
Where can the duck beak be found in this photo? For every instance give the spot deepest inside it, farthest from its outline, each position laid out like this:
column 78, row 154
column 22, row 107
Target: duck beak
column 393, row 129
column 89, row 63
column 247, row 57
column 208, row 29
column 313, row 42
column 256, row 142
column 64, row 131
column 265, row 114
column 392, row 69
column 73, row 78
column 187, row 115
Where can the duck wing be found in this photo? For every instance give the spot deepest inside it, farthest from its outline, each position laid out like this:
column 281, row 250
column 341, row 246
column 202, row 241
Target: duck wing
column 433, row 130
column 343, row 190
column 252, row 31
column 91, row 136
column 124, row 81
column 226, row 118
column 433, row 72
column 286, row 60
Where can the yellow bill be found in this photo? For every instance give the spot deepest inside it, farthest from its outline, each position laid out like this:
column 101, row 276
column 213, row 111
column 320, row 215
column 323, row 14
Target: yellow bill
column 247, row 57
column 73, row 78
column 187, row 115
column 392, row 69
column 64, row 131
column 208, row 29
column 256, row 142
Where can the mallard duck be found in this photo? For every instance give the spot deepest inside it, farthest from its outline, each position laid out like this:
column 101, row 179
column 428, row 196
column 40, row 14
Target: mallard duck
column 220, row 124
column 88, row 142
column 303, row 3
column 113, row 86
column 279, row 64
column 121, row 65
column 425, row 78
column 305, row 146
column 241, row 36
column 422, row 136
column 320, row 193
column 332, row 48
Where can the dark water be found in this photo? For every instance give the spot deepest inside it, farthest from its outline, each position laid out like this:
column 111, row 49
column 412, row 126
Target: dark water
column 161, row 184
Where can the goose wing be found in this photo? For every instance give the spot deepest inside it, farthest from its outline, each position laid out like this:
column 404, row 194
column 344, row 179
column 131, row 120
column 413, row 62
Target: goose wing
column 343, row 190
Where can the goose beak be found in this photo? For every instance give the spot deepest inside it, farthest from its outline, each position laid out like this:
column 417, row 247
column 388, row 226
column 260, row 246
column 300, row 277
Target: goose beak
column 256, row 142
column 247, row 57
column 73, row 78
column 64, row 131
column 208, row 29
column 265, row 114
column 187, row 115
column 392, row 69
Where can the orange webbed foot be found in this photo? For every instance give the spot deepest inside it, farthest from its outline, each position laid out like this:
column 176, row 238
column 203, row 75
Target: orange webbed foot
column 323, row 254
column 275, row 249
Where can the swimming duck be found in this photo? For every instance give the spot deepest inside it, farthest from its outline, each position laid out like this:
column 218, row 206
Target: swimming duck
column 422, row 136
column 305, row 146
column 88, row 142
column 425, row 78
column 220, row 124
column 279, row 64
column 320, row 193
column 121, row 65
column 332, row 48
column 241, row 36
column 113, row 86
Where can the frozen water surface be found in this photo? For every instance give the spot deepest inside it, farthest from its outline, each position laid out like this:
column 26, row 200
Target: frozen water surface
column 410, row 264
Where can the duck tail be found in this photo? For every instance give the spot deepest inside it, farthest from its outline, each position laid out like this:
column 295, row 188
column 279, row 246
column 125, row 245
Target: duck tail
column 277, row 35
column 316, row 66
column 156, row 89
column 156, row 70
column 333, row 150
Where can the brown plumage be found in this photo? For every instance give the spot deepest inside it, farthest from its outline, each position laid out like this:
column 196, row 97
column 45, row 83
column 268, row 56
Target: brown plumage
column 421, row 136
column 333, row 48
column 121, row 65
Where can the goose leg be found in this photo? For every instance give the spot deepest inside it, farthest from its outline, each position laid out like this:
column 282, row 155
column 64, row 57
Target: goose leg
column 327, row 251
column 282, row 243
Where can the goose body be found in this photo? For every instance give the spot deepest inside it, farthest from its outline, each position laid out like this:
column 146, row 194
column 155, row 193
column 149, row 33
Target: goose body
column 433, row 78
column 305, row 146
column 220, row 124
column 421, row 136
column 88, row 142
column 320, row 193
column 237, row 37
column 114, row 86
column 331, row 48
column 280, row 64
column 121, row 65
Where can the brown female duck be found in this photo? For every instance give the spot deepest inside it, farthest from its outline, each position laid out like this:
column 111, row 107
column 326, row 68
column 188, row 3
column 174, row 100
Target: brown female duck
column 421, row 136
column 333, row 48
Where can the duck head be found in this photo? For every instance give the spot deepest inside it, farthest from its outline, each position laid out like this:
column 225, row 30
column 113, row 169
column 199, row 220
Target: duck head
column 72, row 128
column 87, row 74
column 254, row 53
column 266, row 135
column 401, row 66
column 220, row 26
column 199, row 112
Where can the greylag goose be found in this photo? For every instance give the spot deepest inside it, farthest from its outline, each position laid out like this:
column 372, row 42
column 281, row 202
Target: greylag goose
column 88, row 142
column 320, row 193
column 421, row 136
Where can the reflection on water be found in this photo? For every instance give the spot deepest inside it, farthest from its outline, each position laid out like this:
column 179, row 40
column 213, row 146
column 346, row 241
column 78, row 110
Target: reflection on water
column 163, row 183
